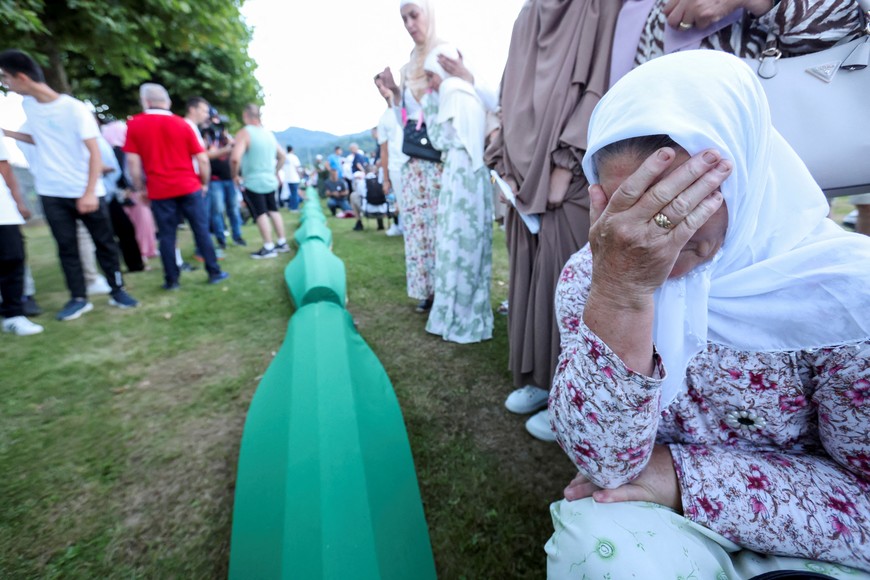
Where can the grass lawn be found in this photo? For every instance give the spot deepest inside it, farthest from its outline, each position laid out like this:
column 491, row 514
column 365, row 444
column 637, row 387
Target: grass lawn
column 119, row 432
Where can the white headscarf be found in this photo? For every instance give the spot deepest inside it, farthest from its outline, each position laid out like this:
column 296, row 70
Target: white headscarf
column 787, row 278
column 460, row 104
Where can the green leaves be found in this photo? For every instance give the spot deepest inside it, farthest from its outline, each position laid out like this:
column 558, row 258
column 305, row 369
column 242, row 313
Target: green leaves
column 101, row 51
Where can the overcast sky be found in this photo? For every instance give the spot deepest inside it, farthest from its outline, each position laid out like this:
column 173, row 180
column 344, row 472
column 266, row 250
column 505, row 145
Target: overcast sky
column 316, row 60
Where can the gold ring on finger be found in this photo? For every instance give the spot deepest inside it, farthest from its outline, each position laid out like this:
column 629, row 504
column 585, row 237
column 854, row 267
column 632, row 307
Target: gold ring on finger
column 663, row 221
column 686, row 26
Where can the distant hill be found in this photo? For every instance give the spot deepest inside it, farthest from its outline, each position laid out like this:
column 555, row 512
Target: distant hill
column 307, row 143
column 303, row 138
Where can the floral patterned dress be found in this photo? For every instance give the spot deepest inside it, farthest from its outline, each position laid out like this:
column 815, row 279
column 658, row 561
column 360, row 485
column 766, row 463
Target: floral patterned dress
column 461, row 311
column 771, row 449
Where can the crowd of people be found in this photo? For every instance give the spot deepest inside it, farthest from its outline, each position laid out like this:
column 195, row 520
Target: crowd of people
column 683, row 318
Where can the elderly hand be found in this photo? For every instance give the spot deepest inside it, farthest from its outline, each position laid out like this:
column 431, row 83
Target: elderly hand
column 703, row 13
column 455, row 67
column 633, row 255
column 657, row 483
column 386, row 77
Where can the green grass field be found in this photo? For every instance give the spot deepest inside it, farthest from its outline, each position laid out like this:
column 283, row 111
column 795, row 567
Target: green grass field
column 119, row 432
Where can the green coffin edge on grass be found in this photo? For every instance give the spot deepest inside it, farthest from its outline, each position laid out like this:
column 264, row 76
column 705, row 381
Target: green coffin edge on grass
column 326, row 485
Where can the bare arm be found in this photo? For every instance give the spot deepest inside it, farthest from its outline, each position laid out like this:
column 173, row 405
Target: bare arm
column 281, row 158
column 9, row 178
column 385, row 164
column 134, row 169
column 239, row 148
column 215, row 152
column 18, row 136
column 88, row 202
column 204, row 169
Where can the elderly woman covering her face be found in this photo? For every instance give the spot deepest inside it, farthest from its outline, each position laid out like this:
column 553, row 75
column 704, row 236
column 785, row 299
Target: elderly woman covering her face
column 715, row 340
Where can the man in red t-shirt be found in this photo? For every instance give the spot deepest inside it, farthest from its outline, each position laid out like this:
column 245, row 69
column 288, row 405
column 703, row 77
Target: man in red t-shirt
column 160, row 146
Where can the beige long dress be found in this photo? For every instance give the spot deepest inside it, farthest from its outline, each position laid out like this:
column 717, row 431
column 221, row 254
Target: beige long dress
column 554, row 77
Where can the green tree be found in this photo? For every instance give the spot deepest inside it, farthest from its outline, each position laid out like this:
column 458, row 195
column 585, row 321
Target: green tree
column 102, row 50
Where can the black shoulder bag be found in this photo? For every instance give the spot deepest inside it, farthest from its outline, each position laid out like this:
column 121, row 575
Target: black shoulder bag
column 416, row 140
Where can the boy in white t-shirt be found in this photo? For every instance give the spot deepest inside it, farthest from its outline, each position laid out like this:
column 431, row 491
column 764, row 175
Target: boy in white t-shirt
column 12, row 214
column 67, row 178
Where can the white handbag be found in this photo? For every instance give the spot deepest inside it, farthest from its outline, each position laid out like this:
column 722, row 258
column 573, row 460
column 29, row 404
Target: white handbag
column 820, row 103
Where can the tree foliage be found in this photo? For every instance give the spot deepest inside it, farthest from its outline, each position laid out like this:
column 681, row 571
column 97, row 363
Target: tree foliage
column 101, row 50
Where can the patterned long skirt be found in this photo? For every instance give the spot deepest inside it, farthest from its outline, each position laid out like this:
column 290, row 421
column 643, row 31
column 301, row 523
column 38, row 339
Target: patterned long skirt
column 463, row 266
column 421, row 184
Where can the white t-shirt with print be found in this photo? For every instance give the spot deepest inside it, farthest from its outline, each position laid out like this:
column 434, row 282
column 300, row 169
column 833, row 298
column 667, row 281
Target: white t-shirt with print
column 9, row 214
column 59, row 129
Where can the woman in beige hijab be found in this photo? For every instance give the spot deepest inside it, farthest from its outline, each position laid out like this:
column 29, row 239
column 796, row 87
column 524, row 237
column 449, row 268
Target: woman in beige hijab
column 421, row 179
column 553, row 79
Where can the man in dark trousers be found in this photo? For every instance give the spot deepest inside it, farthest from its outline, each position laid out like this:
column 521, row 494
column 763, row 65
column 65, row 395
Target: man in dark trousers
column 165, row 143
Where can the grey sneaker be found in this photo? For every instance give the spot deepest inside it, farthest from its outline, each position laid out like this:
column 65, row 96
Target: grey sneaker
column 263, row 253
column 74, row 309
column 282, row 248
column 122, row 300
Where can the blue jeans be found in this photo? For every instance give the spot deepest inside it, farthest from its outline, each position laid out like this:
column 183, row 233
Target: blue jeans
column 166, row 213
column 216, row 207
column 230, row 205
column 338, row 202
column 293, row 200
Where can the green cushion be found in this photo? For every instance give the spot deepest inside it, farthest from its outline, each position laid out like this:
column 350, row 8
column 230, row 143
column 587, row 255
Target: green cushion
column 326, row 487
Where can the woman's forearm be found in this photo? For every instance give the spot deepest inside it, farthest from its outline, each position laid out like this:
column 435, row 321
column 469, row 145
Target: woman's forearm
column 795, row 505
column 624, row 322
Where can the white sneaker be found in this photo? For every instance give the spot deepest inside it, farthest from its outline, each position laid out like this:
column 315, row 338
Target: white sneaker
column 394, row 230
column 99, row 286
column 526, row 400
column 21, row 326
column 539, row 426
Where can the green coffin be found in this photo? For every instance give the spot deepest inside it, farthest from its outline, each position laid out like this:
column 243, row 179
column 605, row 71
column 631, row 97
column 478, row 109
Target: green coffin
column 312, row 216
column 316, row 275
column 326, row 487
column 312, row 229
column 312, row 207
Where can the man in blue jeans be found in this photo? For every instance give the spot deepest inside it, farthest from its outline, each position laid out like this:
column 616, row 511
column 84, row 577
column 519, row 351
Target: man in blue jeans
column 164, row 143
column 222, row 193
column 336, row 193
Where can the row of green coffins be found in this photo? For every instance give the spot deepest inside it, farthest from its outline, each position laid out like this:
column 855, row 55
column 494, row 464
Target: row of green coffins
column 326, row 486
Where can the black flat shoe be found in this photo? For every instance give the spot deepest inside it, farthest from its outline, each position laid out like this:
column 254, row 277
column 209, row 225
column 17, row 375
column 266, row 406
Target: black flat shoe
column 424, row 305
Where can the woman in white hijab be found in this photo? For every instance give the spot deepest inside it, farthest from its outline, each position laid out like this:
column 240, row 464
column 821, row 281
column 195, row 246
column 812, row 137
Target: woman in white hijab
column 715, row 340
column 461, row 311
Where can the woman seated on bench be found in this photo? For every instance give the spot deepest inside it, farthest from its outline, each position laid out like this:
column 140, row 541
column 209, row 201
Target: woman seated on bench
column 713, row 388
